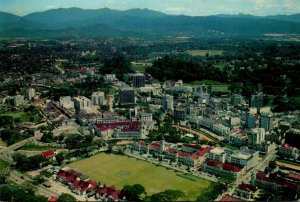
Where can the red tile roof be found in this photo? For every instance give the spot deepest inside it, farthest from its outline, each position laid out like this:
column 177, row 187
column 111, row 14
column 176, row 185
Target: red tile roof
column 230, row 198
column 204, row 151
column 193, row 146
column 294, row 176
column 53, row 199
column 155, row 146
column 277, row 180
column 224, row 166
column 128, row 125
column 49, row 153
column 247, row 187
column 287, row 146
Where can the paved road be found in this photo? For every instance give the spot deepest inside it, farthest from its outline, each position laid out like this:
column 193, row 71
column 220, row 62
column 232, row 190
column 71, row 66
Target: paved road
column 20, row 178
column 287, row 165
column 201, row 135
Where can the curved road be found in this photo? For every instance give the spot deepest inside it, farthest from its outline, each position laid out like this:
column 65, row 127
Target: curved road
column 201, row 135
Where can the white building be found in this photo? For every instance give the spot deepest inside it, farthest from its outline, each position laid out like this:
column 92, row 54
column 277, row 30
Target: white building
column 98, row 98
column 221, row 129
column 18, row 100
column 30, row 93
column 168, row 102
column 82, row 102
column 256, row 136
column 66, row 102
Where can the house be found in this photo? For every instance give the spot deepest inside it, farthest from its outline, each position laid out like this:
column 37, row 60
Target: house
column 49, row 154
column 230, row 198
column 246, row 191
column 107, row 193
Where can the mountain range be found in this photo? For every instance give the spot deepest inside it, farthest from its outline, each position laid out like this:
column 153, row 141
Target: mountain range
column 105, row 22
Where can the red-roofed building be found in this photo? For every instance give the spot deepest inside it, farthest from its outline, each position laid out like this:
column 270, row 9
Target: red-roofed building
column 52, row 199
column 230, row 198
column 274, row 182
column 294, row 177
column 288, row 151
column 246, row 191
column 127, row 129
column 107, row 193
column 49, row 154
column 223, row 169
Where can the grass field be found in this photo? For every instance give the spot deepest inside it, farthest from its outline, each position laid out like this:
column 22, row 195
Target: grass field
column 203, row 53
column 216, row 86
column 122, row 170
column 139, row 68
column 24, row 117
column 3, row 165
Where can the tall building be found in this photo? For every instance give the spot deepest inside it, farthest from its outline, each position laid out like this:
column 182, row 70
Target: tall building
column 266, row 121
column 66, row 102
column 138, row 80
column 236, row 99
column 30, row 93
column 256, row 136
column 18, row 100
column 127, row 96
column 251, row 119
column 82, row 102
column 179, row 113
column 257, row 100
column 98, row 98
column 168, row 102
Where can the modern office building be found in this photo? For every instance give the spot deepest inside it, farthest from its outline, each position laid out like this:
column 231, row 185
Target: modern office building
column 257, row 100
column 266, row 121
column 251, row 119
column 168, row 102
column 66, row 102
column 98, row 98
column 18, row 100
column 127, row 96
column 82, row 102
column 138, row 80
column 30, row 93
column 256, row 136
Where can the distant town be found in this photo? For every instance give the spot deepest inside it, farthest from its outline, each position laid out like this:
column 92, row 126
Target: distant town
column 135, row 119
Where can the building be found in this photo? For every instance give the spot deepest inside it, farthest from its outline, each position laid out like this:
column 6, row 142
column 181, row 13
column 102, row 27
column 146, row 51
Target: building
column 288, row 151
column 266, row 121
column 138, row 80
column 180, row 113
column 256, row 136
column 66, row 102
column 223, row 169
column 127, row 96
column 246, row 191
column 18, row 100
column 98, row 98
column 82, row 102
column 49, row 154
column 292, row 137
column 220, row 129
column 272, row 182
column 257, row 100
column 168, row 102
column 245, row 158
column 30, row 93
column 146, row 117
column 237, row 100
column 251, row 119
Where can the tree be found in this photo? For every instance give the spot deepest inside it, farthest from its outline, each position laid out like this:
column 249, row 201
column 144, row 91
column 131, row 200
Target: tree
column 167, row 195
column 47, row 137
column 133, row 192
column 66, row 198
column 60, row 158
column 5, row 193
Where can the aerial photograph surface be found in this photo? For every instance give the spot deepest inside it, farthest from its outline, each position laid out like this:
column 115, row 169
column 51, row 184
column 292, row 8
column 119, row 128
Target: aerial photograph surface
column 149, row 100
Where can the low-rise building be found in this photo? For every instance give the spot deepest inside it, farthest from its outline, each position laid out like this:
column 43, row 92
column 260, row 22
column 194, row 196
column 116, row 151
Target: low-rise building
column 288, row 151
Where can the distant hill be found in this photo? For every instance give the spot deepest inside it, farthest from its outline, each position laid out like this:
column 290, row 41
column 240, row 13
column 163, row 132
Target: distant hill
column 140, row 22
column 8, row 18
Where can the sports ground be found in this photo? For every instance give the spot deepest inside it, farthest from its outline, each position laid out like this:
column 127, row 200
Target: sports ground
column 120, row 170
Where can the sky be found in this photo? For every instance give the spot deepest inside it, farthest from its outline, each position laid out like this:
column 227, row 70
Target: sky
column 185, row 7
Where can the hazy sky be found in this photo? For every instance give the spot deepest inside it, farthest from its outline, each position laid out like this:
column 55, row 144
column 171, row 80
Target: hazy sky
column 187, row 7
